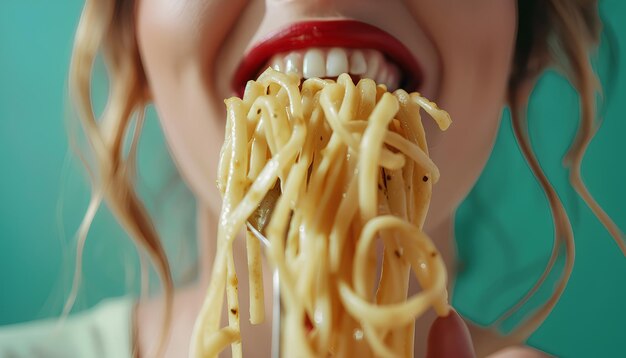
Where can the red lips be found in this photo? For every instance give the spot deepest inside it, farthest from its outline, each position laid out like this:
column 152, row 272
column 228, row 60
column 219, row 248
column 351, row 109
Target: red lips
column 344, row 33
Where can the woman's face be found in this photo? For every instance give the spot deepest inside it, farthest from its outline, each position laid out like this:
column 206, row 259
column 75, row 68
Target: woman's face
column 191, row 49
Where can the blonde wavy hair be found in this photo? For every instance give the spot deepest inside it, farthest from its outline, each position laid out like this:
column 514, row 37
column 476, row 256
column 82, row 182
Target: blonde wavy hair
column 558, row 33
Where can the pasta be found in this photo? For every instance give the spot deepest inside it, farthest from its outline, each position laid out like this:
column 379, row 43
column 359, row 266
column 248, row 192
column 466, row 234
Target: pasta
column 351, row 166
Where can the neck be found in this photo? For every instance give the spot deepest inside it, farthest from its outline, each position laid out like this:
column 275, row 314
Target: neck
column 207, row 224
column 187, row 300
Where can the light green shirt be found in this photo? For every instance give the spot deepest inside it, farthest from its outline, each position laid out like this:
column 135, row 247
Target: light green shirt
column 104, row 331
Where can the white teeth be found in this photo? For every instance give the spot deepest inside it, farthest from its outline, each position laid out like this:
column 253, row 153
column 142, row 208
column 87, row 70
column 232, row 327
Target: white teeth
column 277, row 63
column 314, row 65
column 358, row 66
column 389, row 75
column 383, row 75
column 336, row 62
column 394, row 77
column 293, row 63
column 374, row 60
column 331, row 62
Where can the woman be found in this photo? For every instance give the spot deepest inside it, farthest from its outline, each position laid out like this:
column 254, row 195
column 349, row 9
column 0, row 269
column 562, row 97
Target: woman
column 182, row 55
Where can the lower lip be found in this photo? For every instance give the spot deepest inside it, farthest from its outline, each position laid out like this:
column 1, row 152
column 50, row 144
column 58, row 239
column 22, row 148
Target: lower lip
column 344, row 33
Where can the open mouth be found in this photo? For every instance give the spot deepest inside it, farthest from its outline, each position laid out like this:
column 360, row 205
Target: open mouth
column 326, row 49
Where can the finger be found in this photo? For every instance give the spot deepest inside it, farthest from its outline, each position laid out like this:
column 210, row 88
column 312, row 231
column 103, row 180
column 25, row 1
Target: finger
column 449, row 338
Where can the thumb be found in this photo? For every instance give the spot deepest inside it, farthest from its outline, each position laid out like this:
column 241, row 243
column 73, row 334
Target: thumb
column 449, row 338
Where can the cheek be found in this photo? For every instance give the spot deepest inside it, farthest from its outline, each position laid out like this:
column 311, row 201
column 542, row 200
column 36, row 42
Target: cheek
column 178, row 41
column 475, row 40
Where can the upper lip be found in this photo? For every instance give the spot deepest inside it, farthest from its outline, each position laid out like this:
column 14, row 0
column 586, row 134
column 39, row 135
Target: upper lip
column 342, row 33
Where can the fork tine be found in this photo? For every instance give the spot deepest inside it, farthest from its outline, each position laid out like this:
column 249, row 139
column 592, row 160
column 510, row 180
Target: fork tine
column 276, row 321
column 258, row 235
column 276, row 305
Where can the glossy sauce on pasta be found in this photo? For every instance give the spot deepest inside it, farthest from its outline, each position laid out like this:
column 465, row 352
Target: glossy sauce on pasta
column 352, row 166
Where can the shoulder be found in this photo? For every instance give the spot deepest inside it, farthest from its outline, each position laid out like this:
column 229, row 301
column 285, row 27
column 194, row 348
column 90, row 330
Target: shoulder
column 150, row 322
column 103, row 331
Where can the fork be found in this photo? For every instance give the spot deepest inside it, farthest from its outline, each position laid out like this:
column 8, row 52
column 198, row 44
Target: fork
column 256, row 223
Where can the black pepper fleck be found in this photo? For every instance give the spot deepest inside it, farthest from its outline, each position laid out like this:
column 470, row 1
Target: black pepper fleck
column 388, row 177
column 233, row 310
column 425, row 178
column 384, row 178
column 398, row 254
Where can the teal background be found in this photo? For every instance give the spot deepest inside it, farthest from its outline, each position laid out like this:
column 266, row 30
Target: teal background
column 504, row 230
column 44, row 190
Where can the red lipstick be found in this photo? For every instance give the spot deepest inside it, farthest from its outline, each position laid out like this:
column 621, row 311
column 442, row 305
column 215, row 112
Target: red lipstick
column 344, row 33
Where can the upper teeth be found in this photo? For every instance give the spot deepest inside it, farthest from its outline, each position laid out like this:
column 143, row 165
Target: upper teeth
column 331, row 62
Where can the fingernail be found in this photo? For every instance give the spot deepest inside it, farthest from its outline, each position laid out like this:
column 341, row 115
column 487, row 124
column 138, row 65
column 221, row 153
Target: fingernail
column 449, row 338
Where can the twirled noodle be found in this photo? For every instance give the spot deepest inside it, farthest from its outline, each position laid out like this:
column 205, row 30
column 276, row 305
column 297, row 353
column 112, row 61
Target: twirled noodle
column 352, row 166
